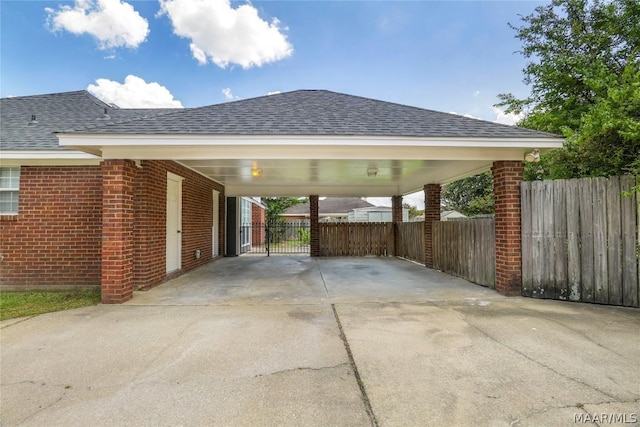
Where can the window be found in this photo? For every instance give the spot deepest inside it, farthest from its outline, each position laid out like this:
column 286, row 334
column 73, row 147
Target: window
column 9, row 189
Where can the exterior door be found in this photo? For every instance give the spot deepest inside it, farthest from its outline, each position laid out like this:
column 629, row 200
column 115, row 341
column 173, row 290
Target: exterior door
column 216, row 224
column 174, row 222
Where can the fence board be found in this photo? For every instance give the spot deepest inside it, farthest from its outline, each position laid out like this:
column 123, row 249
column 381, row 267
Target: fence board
column 573, row 240
column 466, row 249
column 356, row 239
column 411, row 241
column 548, row 254
column 579, row 240
column 560, row 239
column 614, row 238
column 585, row 191
column 600, row 276
column 630, row 223
column 527, row 242
column 537, row 193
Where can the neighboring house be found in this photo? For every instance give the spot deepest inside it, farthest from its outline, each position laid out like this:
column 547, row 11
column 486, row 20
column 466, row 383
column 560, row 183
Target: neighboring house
column 95, row 195
column 330, row 209
column 451, row 216
column 375, row 214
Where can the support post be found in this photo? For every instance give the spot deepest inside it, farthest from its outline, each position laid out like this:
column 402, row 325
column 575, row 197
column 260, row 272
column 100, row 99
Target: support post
column 314, row 227
column 396, row 215
column 431, row 214
column 118, row 178
column 507, row 176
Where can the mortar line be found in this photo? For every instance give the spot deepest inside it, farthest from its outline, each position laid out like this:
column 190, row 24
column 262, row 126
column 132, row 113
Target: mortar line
column 363, row 391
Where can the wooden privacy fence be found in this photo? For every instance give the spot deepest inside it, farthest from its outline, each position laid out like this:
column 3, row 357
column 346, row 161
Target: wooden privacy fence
column 466, row 249
column 411, row 241
column 579, row 240
column 356, row 239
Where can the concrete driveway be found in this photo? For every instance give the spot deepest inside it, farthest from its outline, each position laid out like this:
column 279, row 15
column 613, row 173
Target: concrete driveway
column 301, row 341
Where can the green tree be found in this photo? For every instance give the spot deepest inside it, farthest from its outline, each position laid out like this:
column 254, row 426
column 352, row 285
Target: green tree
column 412, row 210
column 584, row 74
column 277, row 205
column 470, row 196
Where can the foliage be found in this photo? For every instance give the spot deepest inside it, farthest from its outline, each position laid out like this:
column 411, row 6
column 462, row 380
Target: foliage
column 470, row 196
column 304, row 236
column 413, row 211
column 277, row 205
column 584, row 73
column 19, row 304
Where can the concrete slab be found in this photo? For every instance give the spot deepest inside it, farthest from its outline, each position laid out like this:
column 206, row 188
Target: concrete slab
column 254, row 341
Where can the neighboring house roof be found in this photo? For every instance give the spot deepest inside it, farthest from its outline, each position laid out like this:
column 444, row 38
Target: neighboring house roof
column 330, row 205
column 313, row 112
column 55, row 113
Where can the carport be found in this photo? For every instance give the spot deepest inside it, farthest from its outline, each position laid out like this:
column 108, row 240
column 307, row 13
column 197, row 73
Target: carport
column 314, row 143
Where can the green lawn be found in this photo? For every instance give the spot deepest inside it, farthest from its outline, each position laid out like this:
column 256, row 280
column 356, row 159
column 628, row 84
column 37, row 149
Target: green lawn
column 19, row 304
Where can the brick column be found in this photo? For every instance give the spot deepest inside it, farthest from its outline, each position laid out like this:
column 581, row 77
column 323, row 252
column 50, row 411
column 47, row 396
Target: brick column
column 396, row 215
column 118, row 178
column 431, row 213
column 315, row 226
column 507, row 176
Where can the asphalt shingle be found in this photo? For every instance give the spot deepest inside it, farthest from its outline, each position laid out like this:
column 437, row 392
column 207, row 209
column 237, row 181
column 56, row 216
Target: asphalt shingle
column 297, row 113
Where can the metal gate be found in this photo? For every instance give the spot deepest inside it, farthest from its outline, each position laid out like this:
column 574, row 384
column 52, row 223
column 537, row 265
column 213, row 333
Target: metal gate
column 279, row 237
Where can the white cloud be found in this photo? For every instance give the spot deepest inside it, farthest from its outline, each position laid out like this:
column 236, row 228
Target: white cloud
column 113, row 23
column 476, row 93
column 134, row 93
column 506, row 118
column 465, row 115
column 224, row 35
column 228, row 94
column 275, row 92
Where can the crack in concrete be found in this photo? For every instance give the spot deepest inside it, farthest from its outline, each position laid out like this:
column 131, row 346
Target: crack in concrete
column 18, row 321
column 526, row 356
column 302, row 368
column 363, row 391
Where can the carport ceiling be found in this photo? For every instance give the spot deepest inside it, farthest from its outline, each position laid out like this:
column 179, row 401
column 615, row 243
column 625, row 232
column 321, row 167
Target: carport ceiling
column 315, row 142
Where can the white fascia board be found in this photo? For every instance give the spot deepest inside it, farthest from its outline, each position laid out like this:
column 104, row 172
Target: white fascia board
column 47, row 158
column 106, row 140
column 319, row 152
column 306, row 190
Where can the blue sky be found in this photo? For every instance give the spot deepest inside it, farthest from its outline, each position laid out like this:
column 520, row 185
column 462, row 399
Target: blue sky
column 452, row 56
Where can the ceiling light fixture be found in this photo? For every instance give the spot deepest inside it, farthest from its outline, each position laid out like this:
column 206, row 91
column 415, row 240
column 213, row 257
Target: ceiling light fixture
column 533, row 156
column 372, row 171
column 256, row 172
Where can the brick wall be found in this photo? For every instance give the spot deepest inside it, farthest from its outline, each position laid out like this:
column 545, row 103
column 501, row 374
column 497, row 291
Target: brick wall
column 118, row 180
column 314, row 226
column 55, row 240
column 431, row 213
column 258, row 218
column 396, row 213
column 150, row 220
column 507, row 176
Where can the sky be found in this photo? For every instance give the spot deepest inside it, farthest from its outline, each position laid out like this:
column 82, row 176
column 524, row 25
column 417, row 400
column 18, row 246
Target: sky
column 451, row 56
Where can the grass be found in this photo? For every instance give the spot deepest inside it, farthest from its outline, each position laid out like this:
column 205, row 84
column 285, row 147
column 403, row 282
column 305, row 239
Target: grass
column 19, row 304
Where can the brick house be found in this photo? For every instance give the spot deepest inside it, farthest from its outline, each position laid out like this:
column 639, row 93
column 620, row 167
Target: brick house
column 95, row 195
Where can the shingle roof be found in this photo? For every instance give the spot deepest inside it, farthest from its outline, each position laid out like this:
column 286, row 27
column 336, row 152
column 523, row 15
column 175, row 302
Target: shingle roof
column 330, row 205
column 317, row 112
column 54, row 113
column 302, row 112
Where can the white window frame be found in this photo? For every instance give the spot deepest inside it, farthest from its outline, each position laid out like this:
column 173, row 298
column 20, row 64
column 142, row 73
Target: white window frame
column 15, row 190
